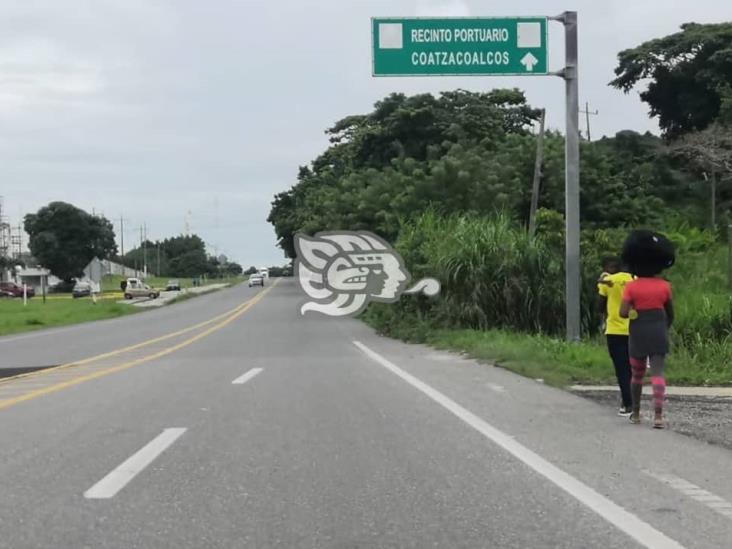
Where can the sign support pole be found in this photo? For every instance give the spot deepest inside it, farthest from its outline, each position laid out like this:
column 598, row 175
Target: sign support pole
column 518, row 46
column 571, row 177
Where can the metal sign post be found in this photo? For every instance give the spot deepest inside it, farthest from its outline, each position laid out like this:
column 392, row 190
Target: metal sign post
column 573, row 279
column 464, row 46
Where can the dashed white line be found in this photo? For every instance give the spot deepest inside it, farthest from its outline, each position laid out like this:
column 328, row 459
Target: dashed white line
column 623, row 520
column 713, row 501
column 246, row 377
column 132, row 466
column 495, row 387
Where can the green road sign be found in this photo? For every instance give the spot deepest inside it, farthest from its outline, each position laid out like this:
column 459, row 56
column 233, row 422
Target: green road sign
column 459, row 46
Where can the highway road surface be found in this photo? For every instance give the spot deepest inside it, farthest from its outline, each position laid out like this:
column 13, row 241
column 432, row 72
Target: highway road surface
column 230, row 421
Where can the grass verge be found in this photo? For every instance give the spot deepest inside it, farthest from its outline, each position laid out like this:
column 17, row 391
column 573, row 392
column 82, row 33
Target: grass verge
column 556, row 361
column 15, row 318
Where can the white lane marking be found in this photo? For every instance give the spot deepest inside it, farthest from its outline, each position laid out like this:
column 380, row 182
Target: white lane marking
column 496, row 388
column 132, row 466
column 713, row 501
column 246, row 377
column 623, row 520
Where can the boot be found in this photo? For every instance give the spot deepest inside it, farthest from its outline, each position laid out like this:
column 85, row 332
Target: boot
column 636, row 391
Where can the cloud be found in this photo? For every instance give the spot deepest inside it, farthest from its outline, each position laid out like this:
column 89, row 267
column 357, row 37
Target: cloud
column 442, row 8
column 38, row 71
column 183, row 101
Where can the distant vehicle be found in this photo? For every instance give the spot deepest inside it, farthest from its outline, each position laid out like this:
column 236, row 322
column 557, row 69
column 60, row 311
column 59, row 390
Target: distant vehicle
column 137, row 288
column 81, row 289
column 172, row 286
column 15, row 290
column 256, row 280
column 263, row 272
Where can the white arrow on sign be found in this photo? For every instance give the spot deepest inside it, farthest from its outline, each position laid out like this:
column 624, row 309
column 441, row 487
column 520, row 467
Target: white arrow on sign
column 529, row 61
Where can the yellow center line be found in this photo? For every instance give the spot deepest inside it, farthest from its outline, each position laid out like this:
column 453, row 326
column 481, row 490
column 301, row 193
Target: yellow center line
column 140, row 345
column 227, row 317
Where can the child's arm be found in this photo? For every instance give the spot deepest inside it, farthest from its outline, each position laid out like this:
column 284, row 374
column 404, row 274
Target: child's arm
column 627, row 303
column 602, row 305
column 625, row 309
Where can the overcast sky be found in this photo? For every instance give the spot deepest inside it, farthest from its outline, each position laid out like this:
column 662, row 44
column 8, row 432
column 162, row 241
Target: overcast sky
column 159, row 111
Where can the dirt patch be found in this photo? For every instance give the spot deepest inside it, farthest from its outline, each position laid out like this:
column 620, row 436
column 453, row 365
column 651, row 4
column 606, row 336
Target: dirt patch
column 704, row 418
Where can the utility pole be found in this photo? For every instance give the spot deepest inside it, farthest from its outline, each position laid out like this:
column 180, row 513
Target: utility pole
column 143, row 245
column 144, row 250
column 714, row 200
column 729, row 256
column 537, row 175
column 571, row 177
column 122, row 237
column 187, row 223
column 587, row 112
column 713, row 192
column 16, row 241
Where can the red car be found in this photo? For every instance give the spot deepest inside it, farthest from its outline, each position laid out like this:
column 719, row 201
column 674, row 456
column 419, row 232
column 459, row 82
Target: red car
column 11, row 289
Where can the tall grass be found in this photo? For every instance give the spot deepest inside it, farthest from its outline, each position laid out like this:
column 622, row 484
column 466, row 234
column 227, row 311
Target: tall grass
column 492, row 273
column 494, row 277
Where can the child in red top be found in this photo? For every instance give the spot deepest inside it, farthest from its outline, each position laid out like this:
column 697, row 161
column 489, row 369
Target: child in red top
column 650, row 298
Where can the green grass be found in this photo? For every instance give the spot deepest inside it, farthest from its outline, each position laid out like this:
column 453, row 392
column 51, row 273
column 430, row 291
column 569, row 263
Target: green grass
column 554, row 360
column 499, row 286
column 62, row 310
column 14, row 317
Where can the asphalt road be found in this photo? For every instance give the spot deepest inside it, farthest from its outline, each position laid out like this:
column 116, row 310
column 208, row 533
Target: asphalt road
column 230, row 421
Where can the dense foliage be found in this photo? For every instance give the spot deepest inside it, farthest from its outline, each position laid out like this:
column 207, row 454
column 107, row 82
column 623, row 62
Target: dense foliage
column 448, row 180
column 382, row 168
column 65, row 238
column 180, row 256
column 494, row 276
column 690, row 76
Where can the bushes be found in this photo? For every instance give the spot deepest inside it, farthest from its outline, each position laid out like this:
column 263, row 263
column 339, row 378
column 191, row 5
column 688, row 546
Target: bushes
column 495, row 278
column 492, row 273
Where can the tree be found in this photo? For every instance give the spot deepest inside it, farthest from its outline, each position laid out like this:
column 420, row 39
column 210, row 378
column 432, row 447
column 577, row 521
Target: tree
column 690, row 72
column 710, row 149
column 232, row 268
column 378, row 165
column 65, row 238
column 179, row 256
column 250, row 271
column 710, row 152
column 481, row 163
column 189, row 264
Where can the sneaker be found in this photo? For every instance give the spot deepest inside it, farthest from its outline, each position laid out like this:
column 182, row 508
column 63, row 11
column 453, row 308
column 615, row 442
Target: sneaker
column 625, row 411
column 634, row 418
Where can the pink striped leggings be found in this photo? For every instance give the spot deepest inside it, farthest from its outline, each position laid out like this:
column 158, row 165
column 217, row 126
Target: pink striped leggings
column 658, row 363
